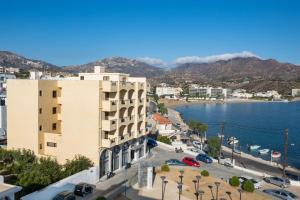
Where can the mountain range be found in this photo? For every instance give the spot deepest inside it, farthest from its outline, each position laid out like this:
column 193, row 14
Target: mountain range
column 251, row 73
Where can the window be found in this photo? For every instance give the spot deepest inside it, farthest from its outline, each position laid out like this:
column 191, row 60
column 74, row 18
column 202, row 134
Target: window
column 105, row 135
column 81, row 77
column 106, row 78
column 40, row 93
column 40, row 110
column 54, row 93
column 54, row 110
column 54, row 126
column 51, row 144
column 40, row 128
column 41, row 146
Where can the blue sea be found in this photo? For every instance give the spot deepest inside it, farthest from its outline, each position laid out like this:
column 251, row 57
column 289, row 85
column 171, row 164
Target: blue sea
column 253, row 123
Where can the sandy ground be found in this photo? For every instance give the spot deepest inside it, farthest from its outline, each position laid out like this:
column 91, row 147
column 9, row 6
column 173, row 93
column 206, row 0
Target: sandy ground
column 189, row 190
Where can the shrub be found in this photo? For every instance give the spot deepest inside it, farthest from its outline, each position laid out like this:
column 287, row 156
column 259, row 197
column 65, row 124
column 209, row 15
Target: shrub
column 164, row 139
column 165, row 168
column 204, row 173
column 248, row 186
column 234, row 181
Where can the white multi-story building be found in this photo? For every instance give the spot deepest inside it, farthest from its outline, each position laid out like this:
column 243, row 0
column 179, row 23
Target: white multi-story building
column 296, row 92
column 269, row 94
column 168, row 92
column 242, row 94
column 208, row 92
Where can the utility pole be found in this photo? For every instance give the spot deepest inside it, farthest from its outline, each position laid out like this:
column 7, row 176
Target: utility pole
column 286, row 134
column 221, row 143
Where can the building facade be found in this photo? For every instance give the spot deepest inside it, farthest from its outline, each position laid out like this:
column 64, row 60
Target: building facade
column 296, row 92
column 168, row 92
column 98, row 115
column 208, row 92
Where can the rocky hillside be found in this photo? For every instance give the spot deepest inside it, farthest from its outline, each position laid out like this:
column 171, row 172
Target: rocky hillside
column 9, row 59
column 238, row 69
column 119, row 64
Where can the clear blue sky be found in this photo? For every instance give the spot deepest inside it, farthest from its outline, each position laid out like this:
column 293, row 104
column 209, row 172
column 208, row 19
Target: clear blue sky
column 75, row 32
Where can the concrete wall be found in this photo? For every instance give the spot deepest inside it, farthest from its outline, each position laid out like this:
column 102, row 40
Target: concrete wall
column 80, row 120
column 22, row 114
column 88, row 176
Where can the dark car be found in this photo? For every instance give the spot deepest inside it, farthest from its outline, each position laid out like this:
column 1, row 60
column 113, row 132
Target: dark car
column 174, row 162
column 204, row 158
column 190, row 162
column 151, row 142
column 65, row 195
column 281, row 194
column 83, row 189
column 281, row 182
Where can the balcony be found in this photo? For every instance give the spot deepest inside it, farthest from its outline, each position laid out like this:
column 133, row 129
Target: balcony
column 130, row 86
column 122, row 86
column 124, row 138
column 109, row 125
column 141, row 86
column 109, row 86
column 108, row 143
column 140, row 117
column 58, row 100
column 131, row 102
column 141, row 101
column 124, row 103
column 131, row 119
column 109, row 105
column 59, row 116
column 123, row 121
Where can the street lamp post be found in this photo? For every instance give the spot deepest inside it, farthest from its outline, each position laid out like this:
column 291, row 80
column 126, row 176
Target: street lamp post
column 217, row 193
column 181, row 171
column 179, row 186
column 240, row 191
column 163, row 186
column 196, row 183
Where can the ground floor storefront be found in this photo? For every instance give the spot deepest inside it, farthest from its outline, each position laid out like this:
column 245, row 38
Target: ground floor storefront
column 119, row 156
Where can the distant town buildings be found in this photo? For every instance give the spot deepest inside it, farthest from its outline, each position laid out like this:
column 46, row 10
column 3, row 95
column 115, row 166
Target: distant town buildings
column 99, row 115
column 10, row 70
column 269, row 94
column 208, row 92
column 296, row 92
column 242, row 94
column 168, row 92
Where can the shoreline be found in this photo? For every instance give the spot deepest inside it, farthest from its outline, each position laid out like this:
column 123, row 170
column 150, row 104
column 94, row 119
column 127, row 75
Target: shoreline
column 173, row 104
column 179, row 119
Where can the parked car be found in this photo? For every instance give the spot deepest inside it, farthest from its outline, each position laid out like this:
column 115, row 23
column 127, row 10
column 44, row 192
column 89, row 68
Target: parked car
column 226, row 162
column 257, row 183
column 151, row 142
column 190, row 162
column 83, row 189
column 174, row 162
column 65, row 195
column 282, row 194
column 204, row 158
column 197, row 144
column 281, row 182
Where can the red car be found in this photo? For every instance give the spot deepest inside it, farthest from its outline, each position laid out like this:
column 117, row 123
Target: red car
column 190, row 162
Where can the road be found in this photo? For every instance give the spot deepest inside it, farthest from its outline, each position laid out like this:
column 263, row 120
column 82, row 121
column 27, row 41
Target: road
column 159, row 156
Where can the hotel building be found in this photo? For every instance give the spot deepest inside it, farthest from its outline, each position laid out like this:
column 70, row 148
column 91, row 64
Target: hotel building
column 98, row 115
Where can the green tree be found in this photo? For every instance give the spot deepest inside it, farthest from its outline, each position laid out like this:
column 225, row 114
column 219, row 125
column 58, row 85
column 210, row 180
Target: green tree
column 248, row 186
column 163, row 139
column 234, row 181
column 214, row 146
column 155, row 98
column 162, row 109
column 198, row 127
column 79, row 163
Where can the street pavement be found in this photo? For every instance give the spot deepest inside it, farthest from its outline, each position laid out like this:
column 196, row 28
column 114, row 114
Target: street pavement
column 158, row 157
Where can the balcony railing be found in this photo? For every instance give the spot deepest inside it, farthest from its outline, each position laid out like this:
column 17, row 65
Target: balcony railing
column 109, row 105
column 109, row 86
column 109, row 124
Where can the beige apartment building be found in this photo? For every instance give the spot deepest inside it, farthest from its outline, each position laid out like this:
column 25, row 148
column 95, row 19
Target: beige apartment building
column 99, row 115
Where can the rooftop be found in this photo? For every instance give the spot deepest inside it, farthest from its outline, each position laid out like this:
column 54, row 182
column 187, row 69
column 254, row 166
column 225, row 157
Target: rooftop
column 161, row 119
